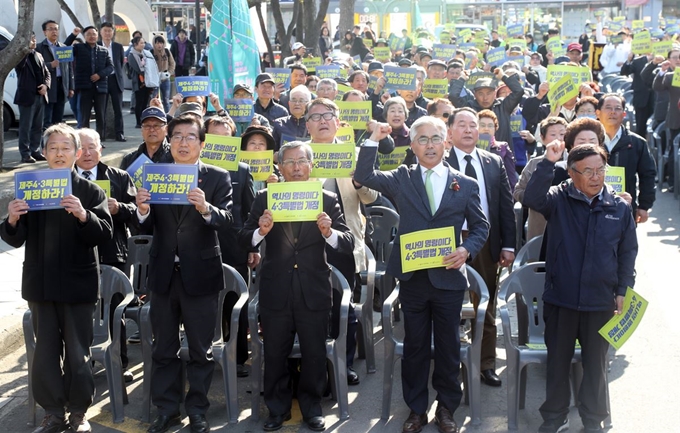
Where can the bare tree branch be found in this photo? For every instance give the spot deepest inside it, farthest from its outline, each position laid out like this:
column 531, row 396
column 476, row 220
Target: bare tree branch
column 69, row 12
column 96, row 15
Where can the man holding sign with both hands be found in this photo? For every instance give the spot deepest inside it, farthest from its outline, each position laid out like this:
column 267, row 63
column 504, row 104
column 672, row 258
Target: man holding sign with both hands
column 429, row 195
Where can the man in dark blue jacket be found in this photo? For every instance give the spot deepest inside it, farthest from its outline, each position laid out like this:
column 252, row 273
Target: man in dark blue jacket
column 590, row 263
column 93, row 65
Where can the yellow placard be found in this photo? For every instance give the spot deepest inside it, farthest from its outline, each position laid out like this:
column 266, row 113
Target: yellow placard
column 426, row 249
column 464, row 34
column 261, row 163
column 616, row 178
column 517, row 42
column 662, row 48
column 638, row 24
column 312, row 62
column 579, row 74
column 345, row 134
column 342, row 89
column 642, row 43
column 555, row 46
column 620, row 327
column 295, row 201
column 676, row 78
column 221, row 151
column 503, row 31
column 333, row 160
column 390, row 161
column 562, row 91
column 435, row 88
column 382, row 54
column 368, row 42
column 357, row 114
column 104, row 184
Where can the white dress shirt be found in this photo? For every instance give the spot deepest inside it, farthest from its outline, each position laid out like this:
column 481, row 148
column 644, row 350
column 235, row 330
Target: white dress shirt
column 93, row 170
column 611, row 142
column 477, row 164
column 438, row 178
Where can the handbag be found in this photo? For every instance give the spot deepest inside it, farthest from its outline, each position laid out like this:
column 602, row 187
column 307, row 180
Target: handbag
column 152, row 76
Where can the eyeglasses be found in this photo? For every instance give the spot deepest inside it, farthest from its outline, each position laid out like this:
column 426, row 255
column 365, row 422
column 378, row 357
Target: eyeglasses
column 52, row 29
column 317, row 116
column 190, row 139
column 299, row 101
column 149, row 127
column 614, row 109
column 446, row 115
column 590, row 173
column 435, row 139
column 295, row 162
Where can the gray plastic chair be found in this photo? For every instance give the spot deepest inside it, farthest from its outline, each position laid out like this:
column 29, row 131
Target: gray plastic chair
column 519, row 225
column 660, row 154
column 137, row 266
column 470, row 354
column 364, row 313
column 528, row 283
column 224, row 352
column 385, row 224
column 106, row 343
column 335, row 351
column 529, row 253
column 676, row 177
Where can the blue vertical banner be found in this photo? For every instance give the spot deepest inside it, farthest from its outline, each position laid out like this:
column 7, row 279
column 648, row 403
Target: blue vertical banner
column 233, row 57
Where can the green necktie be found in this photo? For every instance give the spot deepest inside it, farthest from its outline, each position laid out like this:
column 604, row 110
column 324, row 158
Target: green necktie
column 429, row 191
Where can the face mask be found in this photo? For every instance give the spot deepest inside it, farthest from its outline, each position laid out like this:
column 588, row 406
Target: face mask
column 588, row 115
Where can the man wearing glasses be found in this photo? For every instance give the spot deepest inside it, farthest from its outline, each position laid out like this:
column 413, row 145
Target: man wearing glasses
column 155, row 145
column 295, row 125
column 295, row 290
column 590, row 262
column 61, row 75
column 185, row 277
column 430, row 194
column 629, row 150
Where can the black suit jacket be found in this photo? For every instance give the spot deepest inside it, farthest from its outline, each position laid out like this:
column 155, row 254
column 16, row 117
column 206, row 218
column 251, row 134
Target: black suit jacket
column 190, row 237
column 124, row 191
column 28, row 80
column 243, row 197
column 82, row 65
column 60, row 263
column 118, row 59
column 642, row 91
column 283, row 256
column 499, row 197
column 66, row 72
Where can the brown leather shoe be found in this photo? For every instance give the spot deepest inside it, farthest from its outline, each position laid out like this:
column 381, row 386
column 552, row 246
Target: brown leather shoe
column 414, row 423
column 443, row 418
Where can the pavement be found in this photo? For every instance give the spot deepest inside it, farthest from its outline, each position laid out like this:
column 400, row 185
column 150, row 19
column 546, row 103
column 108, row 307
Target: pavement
column 644, row 395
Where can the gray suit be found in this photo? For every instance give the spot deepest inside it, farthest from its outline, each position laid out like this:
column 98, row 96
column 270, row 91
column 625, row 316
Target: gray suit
column 432, row 298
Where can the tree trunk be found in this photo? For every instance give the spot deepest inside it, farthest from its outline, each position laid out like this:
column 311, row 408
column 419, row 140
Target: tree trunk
column 263, row 28
column 96, row 15
column 300, row 21
column 284, row 35
column 346, row 17
column 108, row 14
column 13, row 53
column 69, row 12
column 313, row 24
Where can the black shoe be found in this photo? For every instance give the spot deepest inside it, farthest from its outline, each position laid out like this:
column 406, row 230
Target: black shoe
column 242, row 371
column 128, row 376
column 28, row 159
column 51, row 424
column 275, row 422
column 38, row 156
column 199, row 424
column 163, row 422
column 316, row 423
column 120, row 137
column 590, row 426
column 491, row 378
column 134, row 338
column 352, row 377
column 554, row 426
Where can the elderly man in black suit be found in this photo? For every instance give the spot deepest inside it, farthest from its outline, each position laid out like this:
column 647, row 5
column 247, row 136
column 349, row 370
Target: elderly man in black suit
column 430, row 194
column 61, row 74
column 121, row 203
column 61, row 284
column 33, row 83
column 115, row 78
column 497, row 203
column 295, row 291
column 92, row 67
column 185, row 278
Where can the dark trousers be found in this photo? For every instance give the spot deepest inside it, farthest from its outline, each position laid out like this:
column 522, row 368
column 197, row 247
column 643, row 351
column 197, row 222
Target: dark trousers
column 54, row 111
column 30, row 126
column 92, row 98
column 642, row 114
column 488, row 269
column 141, row 102
column 198, row 314
column 116, row 97
column 63, row 334
column 181, row 71
column 423, row 306
column 562, row 327
column 278, row 329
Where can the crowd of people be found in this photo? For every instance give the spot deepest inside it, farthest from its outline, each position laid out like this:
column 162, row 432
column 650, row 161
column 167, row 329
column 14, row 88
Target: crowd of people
column 551, row 157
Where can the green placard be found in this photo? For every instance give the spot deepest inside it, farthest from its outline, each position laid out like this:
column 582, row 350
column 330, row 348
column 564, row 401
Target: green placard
column 333, row 160
column 642, row 43
column 620, row 327
column 435, row 88
column 426, row 249
column 105, row 185
column 357, row 114
column 382, row 54
column 390, row 161
column 312, row 62
column 616, row 178
column 555, row 46
column 261, row 163
column 295, row 201
column 221, row 151
column 562, row 91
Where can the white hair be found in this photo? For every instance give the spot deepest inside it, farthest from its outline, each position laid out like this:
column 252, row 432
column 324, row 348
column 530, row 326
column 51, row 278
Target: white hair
column 427, row 120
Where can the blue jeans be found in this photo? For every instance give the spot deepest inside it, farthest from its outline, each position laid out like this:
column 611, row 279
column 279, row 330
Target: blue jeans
column 30, row 126
column 165, row 94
